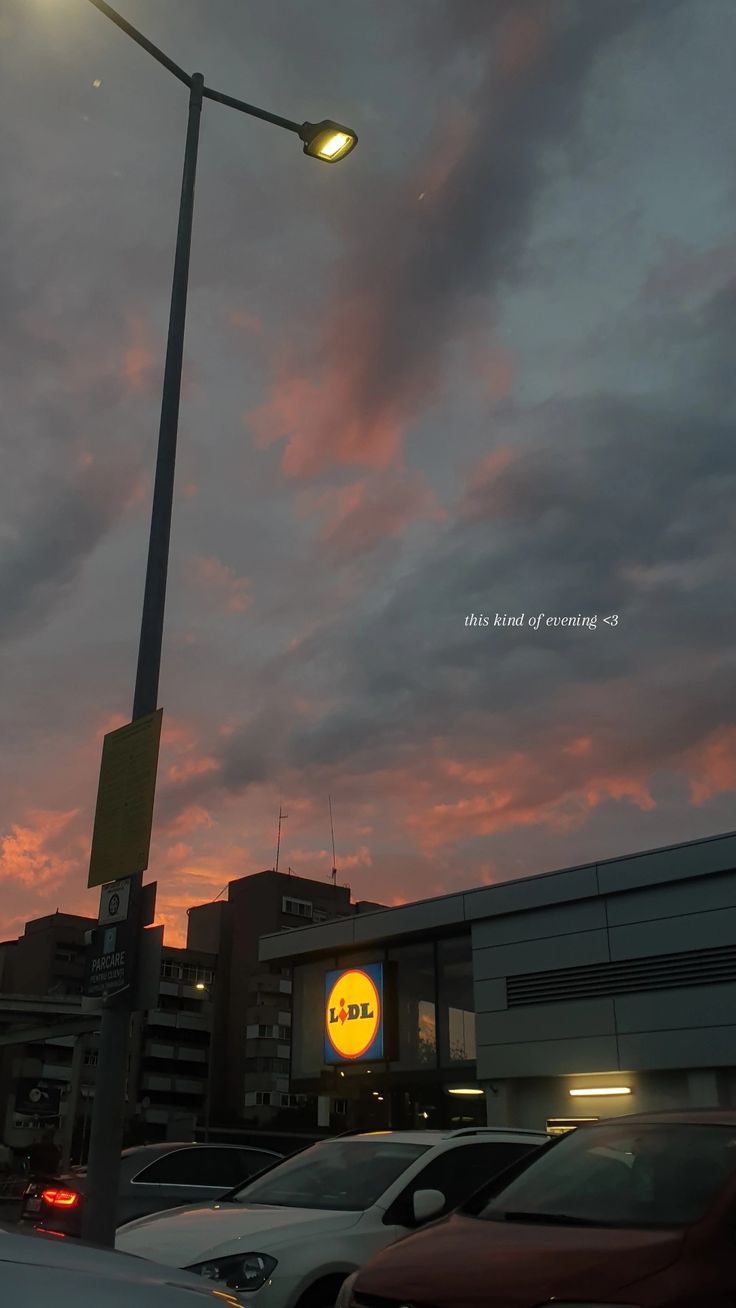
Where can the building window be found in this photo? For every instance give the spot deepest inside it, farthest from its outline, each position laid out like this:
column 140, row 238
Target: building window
column 417, row 1014
column 258, row 1099
column 68, row 954
column 340, row 1107
column 319, row 915
column 297, row 907
column 267, row 1065
column 189, row 973
column 259, row 1032
column 457, row 1004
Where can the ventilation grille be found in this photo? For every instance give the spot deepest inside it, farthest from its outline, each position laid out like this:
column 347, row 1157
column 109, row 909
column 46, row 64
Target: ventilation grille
column 701, row 967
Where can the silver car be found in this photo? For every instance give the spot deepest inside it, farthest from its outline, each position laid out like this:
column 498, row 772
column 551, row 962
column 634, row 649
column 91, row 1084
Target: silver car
column 152, row 1177
column 36, row 1269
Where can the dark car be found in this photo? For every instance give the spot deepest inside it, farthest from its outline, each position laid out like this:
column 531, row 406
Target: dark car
column 152, row 1177
column 633, row 1211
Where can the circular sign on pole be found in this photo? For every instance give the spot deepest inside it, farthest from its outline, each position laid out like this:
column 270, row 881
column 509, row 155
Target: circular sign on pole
column 353, row 1015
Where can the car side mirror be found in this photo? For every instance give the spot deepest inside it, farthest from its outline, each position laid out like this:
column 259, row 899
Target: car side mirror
column 427, row 1204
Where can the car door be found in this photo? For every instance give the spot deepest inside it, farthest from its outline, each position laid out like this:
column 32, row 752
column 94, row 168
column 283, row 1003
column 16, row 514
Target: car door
column 457, row 1172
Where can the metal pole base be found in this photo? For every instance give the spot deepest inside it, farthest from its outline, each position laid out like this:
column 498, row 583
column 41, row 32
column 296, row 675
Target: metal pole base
column 106, row 1139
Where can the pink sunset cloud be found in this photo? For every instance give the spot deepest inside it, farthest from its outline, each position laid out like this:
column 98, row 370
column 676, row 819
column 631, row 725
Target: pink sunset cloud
column 221, row 580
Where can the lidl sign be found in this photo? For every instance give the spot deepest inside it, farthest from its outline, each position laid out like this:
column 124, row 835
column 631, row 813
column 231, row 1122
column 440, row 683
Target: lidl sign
column 354, row 1014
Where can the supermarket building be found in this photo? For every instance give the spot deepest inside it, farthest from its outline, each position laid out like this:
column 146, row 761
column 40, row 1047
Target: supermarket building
column 580, row 993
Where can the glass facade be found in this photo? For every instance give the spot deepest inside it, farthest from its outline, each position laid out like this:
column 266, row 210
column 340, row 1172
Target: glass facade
column 417, row 1009
column 456, row 1001
column 435, row 1026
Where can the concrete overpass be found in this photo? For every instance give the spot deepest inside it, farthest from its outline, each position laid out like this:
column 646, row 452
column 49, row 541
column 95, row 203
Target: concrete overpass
column 32, row 1019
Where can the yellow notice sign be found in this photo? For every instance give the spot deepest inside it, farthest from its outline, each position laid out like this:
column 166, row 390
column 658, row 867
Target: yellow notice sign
column 124, row 814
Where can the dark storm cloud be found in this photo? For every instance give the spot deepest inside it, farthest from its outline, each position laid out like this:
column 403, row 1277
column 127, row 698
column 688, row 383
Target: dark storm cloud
column 426, row 260
column 596, row 489
column 58, row 530
column 608, row 507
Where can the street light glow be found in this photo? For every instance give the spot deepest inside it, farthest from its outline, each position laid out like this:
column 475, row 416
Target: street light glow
column 327, row 140
column 335, row 144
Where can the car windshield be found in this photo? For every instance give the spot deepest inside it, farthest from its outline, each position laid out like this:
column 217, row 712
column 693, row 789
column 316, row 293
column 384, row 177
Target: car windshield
column 666, row 1175
column 345, row 1176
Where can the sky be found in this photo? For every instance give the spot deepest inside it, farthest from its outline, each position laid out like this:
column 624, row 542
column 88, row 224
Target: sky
column 481, row 367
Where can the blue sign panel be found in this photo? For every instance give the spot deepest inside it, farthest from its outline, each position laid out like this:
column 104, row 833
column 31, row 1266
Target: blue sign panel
column 354, row 1014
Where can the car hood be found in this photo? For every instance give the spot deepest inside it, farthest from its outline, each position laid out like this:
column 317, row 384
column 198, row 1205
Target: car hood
column 463, row 1262
column 185, row 1236
column 41, row 1255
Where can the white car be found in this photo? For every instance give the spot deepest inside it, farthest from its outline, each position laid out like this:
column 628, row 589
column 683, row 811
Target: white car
column 36, row 1270
column 289, row 1238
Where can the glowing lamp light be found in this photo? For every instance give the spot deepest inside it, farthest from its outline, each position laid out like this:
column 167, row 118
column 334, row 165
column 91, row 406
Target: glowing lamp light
column 200, row 986
column 60, row 1198
column 595, row 1092
column 470, row 1091
column 327, row 140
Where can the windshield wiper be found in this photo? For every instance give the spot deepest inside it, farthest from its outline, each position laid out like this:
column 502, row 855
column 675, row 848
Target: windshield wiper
column 550, row 1219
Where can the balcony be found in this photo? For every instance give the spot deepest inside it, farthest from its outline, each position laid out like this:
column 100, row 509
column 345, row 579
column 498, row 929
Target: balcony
column 193, row 1021
column 153, row 1050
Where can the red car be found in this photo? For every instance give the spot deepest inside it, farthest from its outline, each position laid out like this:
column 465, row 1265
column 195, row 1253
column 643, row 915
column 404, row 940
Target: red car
column 635, row 1211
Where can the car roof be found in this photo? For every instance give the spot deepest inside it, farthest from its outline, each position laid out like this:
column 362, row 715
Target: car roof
column 671, row 1116
column 430, row 1138
column 170, row 1147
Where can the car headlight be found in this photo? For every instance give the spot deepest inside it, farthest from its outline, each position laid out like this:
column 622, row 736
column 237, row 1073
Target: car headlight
column 345, row 1297
column 239, row 1271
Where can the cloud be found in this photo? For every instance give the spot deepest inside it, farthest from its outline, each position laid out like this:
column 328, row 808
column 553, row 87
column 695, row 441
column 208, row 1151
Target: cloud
column 712, row 765
column 192, row 818
column 359, row 517
column 140, row 356
column 219, row 578
column 65, row 521
column 244, row 322
column 34, row 854
column 408, row 279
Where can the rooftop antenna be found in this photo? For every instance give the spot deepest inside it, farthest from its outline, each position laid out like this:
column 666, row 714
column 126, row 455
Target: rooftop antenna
column 332, row 829
column 282, row 817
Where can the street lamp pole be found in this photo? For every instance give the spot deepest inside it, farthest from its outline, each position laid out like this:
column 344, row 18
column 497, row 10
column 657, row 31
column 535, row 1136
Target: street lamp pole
column 330, row 142
column 106, row 1136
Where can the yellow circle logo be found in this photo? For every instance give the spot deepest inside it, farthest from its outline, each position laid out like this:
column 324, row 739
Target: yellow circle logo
column 353, row 1014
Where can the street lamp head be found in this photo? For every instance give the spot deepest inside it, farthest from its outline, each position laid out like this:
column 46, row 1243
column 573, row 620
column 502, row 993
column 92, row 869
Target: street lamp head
column 327, row 140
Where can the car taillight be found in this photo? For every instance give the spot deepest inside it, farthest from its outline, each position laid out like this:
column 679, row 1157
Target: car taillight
column 60, row 1198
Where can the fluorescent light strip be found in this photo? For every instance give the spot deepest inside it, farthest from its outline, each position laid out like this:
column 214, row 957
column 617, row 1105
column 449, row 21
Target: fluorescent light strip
column 601, row 1091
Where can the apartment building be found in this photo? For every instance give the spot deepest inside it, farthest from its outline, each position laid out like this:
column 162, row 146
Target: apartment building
column 252, row 1047
column 171, row 1048
column 42, row 976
